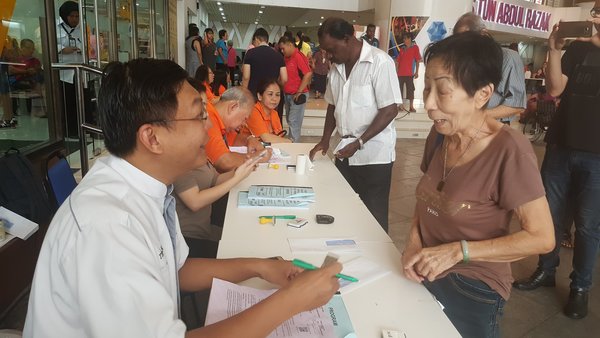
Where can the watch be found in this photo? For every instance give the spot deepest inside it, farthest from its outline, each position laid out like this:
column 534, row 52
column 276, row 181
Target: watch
column 362, row 144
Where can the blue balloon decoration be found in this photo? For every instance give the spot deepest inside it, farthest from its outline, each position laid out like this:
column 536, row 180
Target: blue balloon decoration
column 437, row 31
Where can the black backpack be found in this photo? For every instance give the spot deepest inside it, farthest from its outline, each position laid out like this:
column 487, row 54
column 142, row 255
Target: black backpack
column 21, row 190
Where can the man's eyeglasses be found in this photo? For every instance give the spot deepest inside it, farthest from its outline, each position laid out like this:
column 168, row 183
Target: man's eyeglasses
column 203, row 117
column 595, row 12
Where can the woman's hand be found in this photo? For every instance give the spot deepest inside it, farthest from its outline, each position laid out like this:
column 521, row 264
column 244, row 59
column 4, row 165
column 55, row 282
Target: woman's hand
column 428, row 263
column 244, row 169
column 554, row 42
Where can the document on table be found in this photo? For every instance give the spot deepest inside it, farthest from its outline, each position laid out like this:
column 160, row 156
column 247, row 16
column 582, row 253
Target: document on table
column 17, row 225
column 363, row 269
column 337, row 245
column 228, row 299
column 277, row 155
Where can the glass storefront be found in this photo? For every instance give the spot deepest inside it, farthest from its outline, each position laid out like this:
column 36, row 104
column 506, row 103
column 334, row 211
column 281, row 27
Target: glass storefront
column 36, row 101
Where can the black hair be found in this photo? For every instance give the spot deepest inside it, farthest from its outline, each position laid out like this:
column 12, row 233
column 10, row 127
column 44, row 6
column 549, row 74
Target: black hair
column 24, row 41
column 287, row 39
column 407, row 35
column 135, row 93
column 199, row 86
column 66, row 9
column 289, row 34
column 222, row 33
column 337, row 28
column 370, row 26
column 261, row 34
column 220, row 80
column 208, row 30
column 194, row 31
column 475, row 60
column 202, row 73
column 264, row 84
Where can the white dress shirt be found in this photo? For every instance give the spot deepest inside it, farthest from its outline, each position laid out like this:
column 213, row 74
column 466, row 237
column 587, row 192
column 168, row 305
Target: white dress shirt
column 107, row 266
column 68, row 37
column 372, row 85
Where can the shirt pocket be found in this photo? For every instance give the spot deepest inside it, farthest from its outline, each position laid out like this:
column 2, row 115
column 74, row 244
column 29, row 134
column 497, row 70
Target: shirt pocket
column 362, row 96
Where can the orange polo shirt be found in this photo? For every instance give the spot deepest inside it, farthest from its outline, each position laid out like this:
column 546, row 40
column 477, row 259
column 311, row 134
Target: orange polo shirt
column 218, row 137
column 261, row 122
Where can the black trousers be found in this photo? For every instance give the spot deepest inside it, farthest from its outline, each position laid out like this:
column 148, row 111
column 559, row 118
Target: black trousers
column 372, row 183
column 69, row 120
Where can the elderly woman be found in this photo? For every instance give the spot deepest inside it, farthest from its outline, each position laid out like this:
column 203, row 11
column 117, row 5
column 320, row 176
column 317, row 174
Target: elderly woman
column 477, row 173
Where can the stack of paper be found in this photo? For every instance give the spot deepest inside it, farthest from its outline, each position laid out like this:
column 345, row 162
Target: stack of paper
column 17, row 225
column 276, row 196
column 328, row 321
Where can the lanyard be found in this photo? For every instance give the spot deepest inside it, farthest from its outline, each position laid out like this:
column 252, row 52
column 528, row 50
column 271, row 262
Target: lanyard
column 69, row 33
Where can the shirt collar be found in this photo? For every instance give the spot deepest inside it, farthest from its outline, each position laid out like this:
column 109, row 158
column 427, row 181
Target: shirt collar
column 213, row 111
column 139, row 179
column 366, row 55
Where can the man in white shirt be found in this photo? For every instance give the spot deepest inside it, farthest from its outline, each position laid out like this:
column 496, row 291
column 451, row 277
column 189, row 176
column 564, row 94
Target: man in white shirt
column 363, row 97
column 114, row 260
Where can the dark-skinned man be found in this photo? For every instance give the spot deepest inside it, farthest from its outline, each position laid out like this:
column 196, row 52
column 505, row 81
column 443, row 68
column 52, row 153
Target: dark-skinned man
column 363, row 97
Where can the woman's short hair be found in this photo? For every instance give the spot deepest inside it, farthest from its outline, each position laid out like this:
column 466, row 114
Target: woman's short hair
column 287, row 39
column 474, row 60
column 134, row 93
column 263, row 85
column 202, row 74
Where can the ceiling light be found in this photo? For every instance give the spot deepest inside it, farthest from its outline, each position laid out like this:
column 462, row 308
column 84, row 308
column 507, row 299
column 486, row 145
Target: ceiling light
column 322, row 17
column 353, row 20
column 219, row 3
column 306, row 22
column 260, row 12
column 320, row 23
column 221, row 9
column 262, row 7
column 256, row 22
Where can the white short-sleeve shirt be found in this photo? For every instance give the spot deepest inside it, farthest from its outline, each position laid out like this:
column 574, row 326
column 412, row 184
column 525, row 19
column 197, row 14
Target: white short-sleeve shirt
column 372, row 85
column 107, row 266
column 68, row 37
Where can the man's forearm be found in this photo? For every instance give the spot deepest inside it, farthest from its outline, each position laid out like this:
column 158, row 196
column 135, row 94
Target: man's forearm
column 232, row 270
column 502, row 111
column 305, row 82
column 384, row 117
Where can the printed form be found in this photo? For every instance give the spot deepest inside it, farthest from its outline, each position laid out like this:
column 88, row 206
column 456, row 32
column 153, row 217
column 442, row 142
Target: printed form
column 228, row 299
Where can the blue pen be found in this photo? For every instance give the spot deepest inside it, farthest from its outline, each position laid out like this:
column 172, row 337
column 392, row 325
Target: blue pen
column 308, row 266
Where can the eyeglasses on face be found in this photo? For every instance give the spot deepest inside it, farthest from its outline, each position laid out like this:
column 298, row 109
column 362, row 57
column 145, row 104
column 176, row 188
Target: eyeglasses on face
column 595, row 12
column 202, row 117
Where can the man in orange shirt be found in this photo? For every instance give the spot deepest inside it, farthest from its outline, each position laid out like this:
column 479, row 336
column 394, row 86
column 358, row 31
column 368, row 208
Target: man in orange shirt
column 226, row 116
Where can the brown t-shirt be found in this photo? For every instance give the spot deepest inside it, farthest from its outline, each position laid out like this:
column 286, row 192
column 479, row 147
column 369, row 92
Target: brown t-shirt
column 478, row 199
column 195, row 224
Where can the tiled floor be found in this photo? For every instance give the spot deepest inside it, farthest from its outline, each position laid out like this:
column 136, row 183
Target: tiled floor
column 527, row 314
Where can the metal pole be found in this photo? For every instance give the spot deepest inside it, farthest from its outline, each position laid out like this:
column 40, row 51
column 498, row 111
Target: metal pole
column 83, row 154
column 134, row 39
column 83, row 28
column 166, row 31
column 153, row 41
column 98, row 64
column 113, row 44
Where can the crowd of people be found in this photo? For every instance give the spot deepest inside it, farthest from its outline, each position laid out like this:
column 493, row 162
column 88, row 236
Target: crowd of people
column 120, row 247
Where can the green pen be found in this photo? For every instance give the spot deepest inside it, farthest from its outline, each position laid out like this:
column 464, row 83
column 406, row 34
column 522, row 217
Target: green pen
column 308, row 266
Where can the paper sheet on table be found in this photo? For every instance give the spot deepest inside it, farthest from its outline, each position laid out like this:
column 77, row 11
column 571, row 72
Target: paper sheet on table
column 364, row 270
column 337, row 245
column 241, row 149
column 228, row 299
column 277, row 155
column 344, row 142
column 17, row 225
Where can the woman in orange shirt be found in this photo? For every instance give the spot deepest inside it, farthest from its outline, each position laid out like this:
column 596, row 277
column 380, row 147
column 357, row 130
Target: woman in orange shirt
column 264, row 121
column 206, row 76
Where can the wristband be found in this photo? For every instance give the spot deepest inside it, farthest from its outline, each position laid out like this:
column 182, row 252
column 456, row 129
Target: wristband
column 362, row 144
column 465, row 250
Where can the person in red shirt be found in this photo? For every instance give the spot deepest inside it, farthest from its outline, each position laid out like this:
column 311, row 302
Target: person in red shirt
column 264, row 120
column 407, row 64
column 296, row 87
column 231, row 61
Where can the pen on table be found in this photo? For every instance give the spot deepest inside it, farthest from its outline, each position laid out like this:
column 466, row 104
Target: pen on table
column 273, row 218
column 308, row 266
